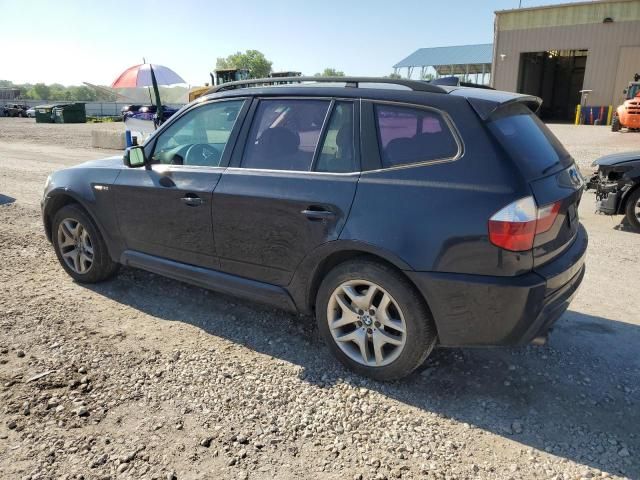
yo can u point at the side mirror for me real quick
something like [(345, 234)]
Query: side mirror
[(134, 157)]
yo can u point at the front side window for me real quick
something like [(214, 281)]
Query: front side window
[(410, 135), (284, 134), (199, 137)]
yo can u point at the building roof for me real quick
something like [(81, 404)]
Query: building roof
[(560, 5), (457, 55)]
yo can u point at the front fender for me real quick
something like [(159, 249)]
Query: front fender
[(92, 191)]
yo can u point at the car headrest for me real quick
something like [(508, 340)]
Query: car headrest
[(279, 141)]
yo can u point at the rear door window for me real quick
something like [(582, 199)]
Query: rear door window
[(284, 134), (411, 135), (528, 141), (337, 154)]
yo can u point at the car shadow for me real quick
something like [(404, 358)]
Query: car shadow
[(576, 397), (5, 200)]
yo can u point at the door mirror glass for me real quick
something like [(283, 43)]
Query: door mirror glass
[(134, 157)]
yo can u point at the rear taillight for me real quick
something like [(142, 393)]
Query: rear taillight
[(516, 225), (547, 216)]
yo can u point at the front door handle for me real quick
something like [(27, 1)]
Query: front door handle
[(312, 214), (192, 200)]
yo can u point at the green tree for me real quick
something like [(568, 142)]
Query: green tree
[(396, 76), (330, 72), (41, 91), (252, 60)]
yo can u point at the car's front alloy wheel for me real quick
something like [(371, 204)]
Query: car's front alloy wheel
[(80, 247), (75, 245)]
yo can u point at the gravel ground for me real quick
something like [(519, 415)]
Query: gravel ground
[(145, 377)]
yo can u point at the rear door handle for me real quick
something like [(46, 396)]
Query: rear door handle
[(318, 214), (192, 200)]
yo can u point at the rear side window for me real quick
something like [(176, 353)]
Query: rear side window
[(410, 135), (528, 141), (284, 134)]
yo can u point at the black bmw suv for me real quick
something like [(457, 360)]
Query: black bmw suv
[(404, 215)]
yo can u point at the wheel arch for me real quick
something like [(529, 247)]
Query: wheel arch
[(309, 275), (622, 207), (58, 200)]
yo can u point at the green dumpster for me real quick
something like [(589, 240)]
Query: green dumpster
[(70, 113), (44, 113)]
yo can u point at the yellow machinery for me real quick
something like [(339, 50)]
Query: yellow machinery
[(218, 78)]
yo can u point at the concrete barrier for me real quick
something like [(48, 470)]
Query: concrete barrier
[(110, 140)]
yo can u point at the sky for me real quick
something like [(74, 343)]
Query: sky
[(75, 41)]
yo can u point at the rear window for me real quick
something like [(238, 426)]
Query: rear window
[(411, 135), (528, 141)]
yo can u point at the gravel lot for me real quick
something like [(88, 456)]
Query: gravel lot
[(145, 377)]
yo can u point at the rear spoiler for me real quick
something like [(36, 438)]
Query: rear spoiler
[(456, 82), (487, 102)]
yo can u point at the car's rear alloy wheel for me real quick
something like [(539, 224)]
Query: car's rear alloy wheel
[(374, 320), (366, 323), (75, 245)]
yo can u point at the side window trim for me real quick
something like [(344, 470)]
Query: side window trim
[(231, 142), (375, 133), (356, 104), (323, 135)]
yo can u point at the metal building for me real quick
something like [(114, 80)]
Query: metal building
[(464, 61), (555, 52)]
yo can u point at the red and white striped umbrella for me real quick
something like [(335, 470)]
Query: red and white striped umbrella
[(140, 76)]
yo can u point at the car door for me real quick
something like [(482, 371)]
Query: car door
[(165, 210), (289, 187)]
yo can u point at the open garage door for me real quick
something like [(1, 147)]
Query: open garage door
[(556, 76)]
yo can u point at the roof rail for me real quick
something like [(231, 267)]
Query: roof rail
[(353, 82)]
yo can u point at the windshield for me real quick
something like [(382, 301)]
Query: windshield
[(633, 90), (528, 141)]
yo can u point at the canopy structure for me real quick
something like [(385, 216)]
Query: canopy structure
[(462, 60)]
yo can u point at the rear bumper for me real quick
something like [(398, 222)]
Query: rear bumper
[(477, 310)]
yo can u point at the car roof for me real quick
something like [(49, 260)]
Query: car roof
[(484, 101)]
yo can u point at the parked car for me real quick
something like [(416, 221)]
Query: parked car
[(15, 110), (404, 218), (129, 109), (616, 182), (31, 112), (144, 118)]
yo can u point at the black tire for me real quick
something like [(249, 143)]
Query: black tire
[(102, 266), (630, 209), (615, 124), (421, 335)]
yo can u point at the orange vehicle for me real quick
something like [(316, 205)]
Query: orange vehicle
[(628, 114)]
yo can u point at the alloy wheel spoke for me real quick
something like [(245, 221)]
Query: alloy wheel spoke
[(83, 261), (348, 317), (385, 338), (367, 298), (67, 229), (65, 241), (360, 339), (378, 343)]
